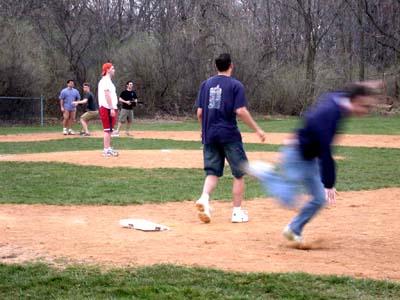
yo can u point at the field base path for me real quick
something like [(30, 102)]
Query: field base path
[(358, 237), (353, 140)]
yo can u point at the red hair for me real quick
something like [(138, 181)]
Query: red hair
[(106, 68)]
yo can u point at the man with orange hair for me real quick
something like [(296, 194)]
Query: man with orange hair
[(108, 101)]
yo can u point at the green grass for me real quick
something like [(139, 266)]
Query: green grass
[(77, 144), (55, 183), (38, 281), (367, 125)]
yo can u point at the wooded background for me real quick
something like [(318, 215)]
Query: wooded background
[(285, 51)]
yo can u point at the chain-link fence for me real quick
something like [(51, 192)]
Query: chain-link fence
[(22, 110)]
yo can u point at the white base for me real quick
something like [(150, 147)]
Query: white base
[(141, 224)]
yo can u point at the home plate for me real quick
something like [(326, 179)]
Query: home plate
[(141, 224)]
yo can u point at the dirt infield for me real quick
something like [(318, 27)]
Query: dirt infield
[(362, 241), (146, 159), (387, 141)]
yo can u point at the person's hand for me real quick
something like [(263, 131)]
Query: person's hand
[(112, 113), (261, 134), (330, 195), (62, 109), (75, 103), (129, 102)]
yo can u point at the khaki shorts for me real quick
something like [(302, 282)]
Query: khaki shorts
[(90, 115), (126, 115)]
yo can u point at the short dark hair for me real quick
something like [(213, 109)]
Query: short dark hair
[(129, 81), (223, 62), (356, 89), (86, 84), (69, 80)]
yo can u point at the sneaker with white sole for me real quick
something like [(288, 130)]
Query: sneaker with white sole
[(71, 132), (203, 206), (110, 152), (65, 131), (115, 134), (239, 216), (291, 236), (257, 168)]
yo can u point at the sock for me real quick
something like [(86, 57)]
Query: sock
[(237, 209), (205, 197)]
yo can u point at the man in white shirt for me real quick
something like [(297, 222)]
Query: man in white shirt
[(108, 101)]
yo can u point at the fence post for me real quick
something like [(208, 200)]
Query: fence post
[(41, 111)]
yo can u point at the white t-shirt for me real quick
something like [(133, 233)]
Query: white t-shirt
[(105, 84)]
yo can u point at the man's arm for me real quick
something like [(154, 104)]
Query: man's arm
[(199, 114), (328, 171), (62, 104), (83, 101), (109, 101), (246, 117), (124, 101)]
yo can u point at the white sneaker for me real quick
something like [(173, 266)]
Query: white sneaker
[(240, 216), (203, 206), (115, 134), (65, 131), (291, 236), (257, 168), (71, 132), (110, 152)]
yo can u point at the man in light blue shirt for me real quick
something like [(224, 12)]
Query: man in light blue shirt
[(68, 102)]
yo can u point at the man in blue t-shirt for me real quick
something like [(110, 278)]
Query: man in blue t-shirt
[(68, 98), (221, 98)]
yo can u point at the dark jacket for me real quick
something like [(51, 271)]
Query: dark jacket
[(320, 126)]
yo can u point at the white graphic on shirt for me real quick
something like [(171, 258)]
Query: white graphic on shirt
[(215, 97)]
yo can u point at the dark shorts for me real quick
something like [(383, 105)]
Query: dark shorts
[(215, 154)]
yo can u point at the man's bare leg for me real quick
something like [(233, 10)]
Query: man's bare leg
[(65, 118), (107, 139), (84, 126), (203, 205), (128, 127), (238, 188)]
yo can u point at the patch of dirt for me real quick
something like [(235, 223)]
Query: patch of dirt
[(358, 237), (385, 141), (146, 159)]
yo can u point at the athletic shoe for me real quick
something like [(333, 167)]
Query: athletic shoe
[(84, 133), (113, 152), (240, 216), (110, 153), (71, 132), (291, 236), (257, 168), (65, 131), (203, 206), (115, 134)]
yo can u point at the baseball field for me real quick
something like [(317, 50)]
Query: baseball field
[(60, 203)]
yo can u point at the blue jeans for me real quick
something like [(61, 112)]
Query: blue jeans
[(295, 175)]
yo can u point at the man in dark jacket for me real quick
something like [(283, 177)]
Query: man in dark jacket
[(307, 158)]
